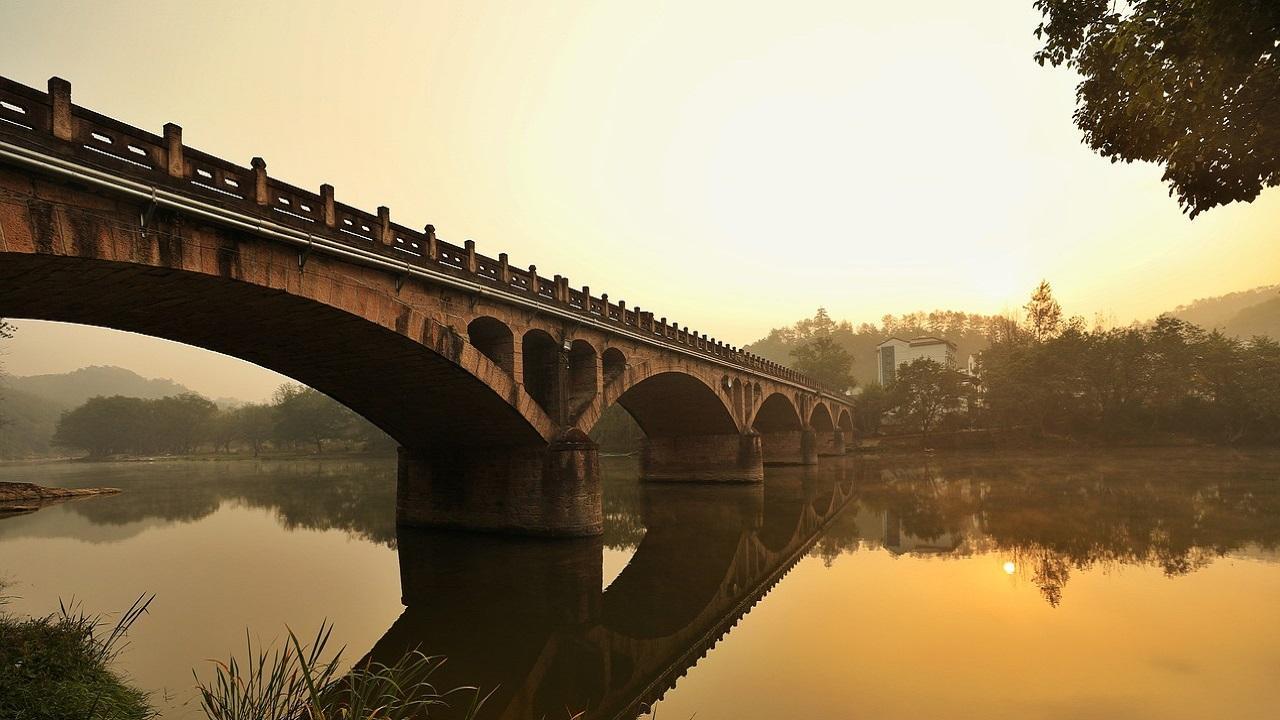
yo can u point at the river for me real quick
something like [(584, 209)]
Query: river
[(1119, 584)]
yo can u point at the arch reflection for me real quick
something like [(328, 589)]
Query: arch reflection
[(528, 619)]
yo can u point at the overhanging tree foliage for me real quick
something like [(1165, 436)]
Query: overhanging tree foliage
[(1192, 85)]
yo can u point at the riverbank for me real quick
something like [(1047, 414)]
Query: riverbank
[(23, 497), (206, 457), (59, 666)]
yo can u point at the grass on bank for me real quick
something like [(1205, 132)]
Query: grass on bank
[(59, 666), (295, 683)]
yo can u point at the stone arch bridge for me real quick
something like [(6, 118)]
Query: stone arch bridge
[(487, 375)]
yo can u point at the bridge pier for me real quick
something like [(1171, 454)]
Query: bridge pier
[(831, 443), (790, 447), (703, 458), (551, 491)]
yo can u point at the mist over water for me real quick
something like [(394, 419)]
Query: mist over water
[(1136, 583)]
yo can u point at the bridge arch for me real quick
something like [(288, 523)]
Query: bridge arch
[(663, 398), (846, 420), (540, 369), (615, 362), (777, 413), (495, 341), (671, 403), (584, 367), (820, 418), (319, 330)]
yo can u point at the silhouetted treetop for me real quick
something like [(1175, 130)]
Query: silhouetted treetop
[(1193, 85)]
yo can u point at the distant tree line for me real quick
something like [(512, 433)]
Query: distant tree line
[(841, 352), (296, 418), (1058, 376)]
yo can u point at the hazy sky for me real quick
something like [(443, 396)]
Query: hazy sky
[(727, 166)]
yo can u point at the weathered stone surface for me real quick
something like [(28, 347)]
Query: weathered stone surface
[(790, 447), (703, 458)]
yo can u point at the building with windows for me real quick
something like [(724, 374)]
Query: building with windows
[(895, 351)]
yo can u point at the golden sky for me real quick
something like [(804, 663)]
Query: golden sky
[(727, 166)]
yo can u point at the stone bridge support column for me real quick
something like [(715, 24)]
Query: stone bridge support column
[(790, 447), (551, 491), (703, 458), (831, 443)]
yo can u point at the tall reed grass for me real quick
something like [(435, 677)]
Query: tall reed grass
[(295, 682)]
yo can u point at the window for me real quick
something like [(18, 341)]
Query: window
[(887, 365)]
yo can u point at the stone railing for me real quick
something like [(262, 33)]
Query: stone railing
[(51, 123)]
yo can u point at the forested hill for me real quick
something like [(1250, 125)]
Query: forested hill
[(30, 406), (1241, 314), (71, 389), (967, 330)]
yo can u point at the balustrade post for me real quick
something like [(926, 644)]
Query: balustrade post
[(586, 299), (173, 150), (472, 264), (384, 226), (433, 245), (60, 99), (533, 280), (259, 180), (327, 208), (504, 270)]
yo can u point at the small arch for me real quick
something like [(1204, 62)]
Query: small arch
[(845, 422), (583, 366), (614, 363), (820, 419), (495, 341), (541, 375), (777, 413)]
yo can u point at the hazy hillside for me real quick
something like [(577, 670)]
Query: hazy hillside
[(26, 423), (72, 389), (1243, 314), (30, 406)]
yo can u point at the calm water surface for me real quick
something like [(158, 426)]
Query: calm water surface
[(1128, 584)]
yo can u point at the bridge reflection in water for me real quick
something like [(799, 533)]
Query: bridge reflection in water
[(527, 618)]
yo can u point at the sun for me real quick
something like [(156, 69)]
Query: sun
[(1010, 567)]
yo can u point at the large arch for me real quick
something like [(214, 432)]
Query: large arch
[(845, 423), (405, 373), (676, 404), (820, 419), (777, 414), (654, 392)]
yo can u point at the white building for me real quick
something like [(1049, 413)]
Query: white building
[(895, 351)]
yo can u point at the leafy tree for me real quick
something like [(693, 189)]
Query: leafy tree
[(825, 361), (307, 415), (925, 391), (1044, 314), (869, 407), (1193, 85), (181, 422), (104, 426), (255, 424)]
